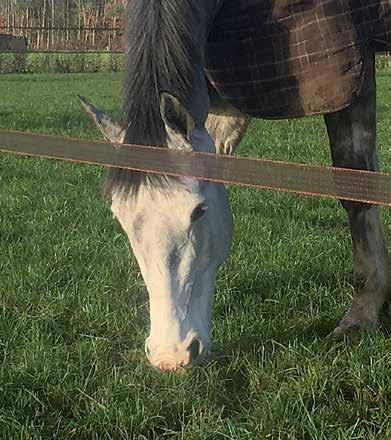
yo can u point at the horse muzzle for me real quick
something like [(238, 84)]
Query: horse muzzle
[(170, 358)]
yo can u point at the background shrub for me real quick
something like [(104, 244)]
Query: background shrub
[(61, 62), (87, 62)]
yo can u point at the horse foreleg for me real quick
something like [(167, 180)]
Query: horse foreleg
[(352, 135), (227, 126)]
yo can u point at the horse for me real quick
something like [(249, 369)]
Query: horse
[(180, 82)]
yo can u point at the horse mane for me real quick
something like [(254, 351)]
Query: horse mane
[(160, 56)]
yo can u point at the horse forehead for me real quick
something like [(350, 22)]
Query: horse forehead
[(164, 210), (180, 194)]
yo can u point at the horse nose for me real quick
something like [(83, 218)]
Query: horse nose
[(175, 358)]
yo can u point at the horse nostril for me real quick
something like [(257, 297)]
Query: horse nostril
[(194, 349)]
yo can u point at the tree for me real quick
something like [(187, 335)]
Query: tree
[(50, 15)]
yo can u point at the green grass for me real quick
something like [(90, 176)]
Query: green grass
[(74, 311)]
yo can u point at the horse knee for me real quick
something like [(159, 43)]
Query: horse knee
[(227, 127)]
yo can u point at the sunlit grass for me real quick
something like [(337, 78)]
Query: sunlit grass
[(74, 311)]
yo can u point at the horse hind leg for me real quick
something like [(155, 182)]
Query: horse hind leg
[(227, 126), (352, 135)]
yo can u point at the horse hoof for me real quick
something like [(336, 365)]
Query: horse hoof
[(356, 320), (344, 331), (352, 329)]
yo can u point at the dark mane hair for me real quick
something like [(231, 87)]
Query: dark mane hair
[(160, 56)]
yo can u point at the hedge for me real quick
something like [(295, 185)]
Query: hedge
[(61, 62)]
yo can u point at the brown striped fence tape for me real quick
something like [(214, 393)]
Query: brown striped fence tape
[(313, 180)]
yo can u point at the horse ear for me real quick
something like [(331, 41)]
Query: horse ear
[(178, 121), (111, 129)]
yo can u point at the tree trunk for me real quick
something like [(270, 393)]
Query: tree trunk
[(53, 23)]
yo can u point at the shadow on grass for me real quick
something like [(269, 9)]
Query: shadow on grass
[(287, 290), (320, 328)]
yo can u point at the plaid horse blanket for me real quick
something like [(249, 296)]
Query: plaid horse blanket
[(290, 58)]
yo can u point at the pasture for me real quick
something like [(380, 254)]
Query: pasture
[(74, 310)]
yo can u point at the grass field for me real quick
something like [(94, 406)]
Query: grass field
[(74, 311)]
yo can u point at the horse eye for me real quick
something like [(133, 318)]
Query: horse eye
[(198, 212)]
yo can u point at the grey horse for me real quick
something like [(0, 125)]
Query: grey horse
[(233, 60)]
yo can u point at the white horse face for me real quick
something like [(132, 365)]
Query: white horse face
[(179, 236), (179, 240)]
